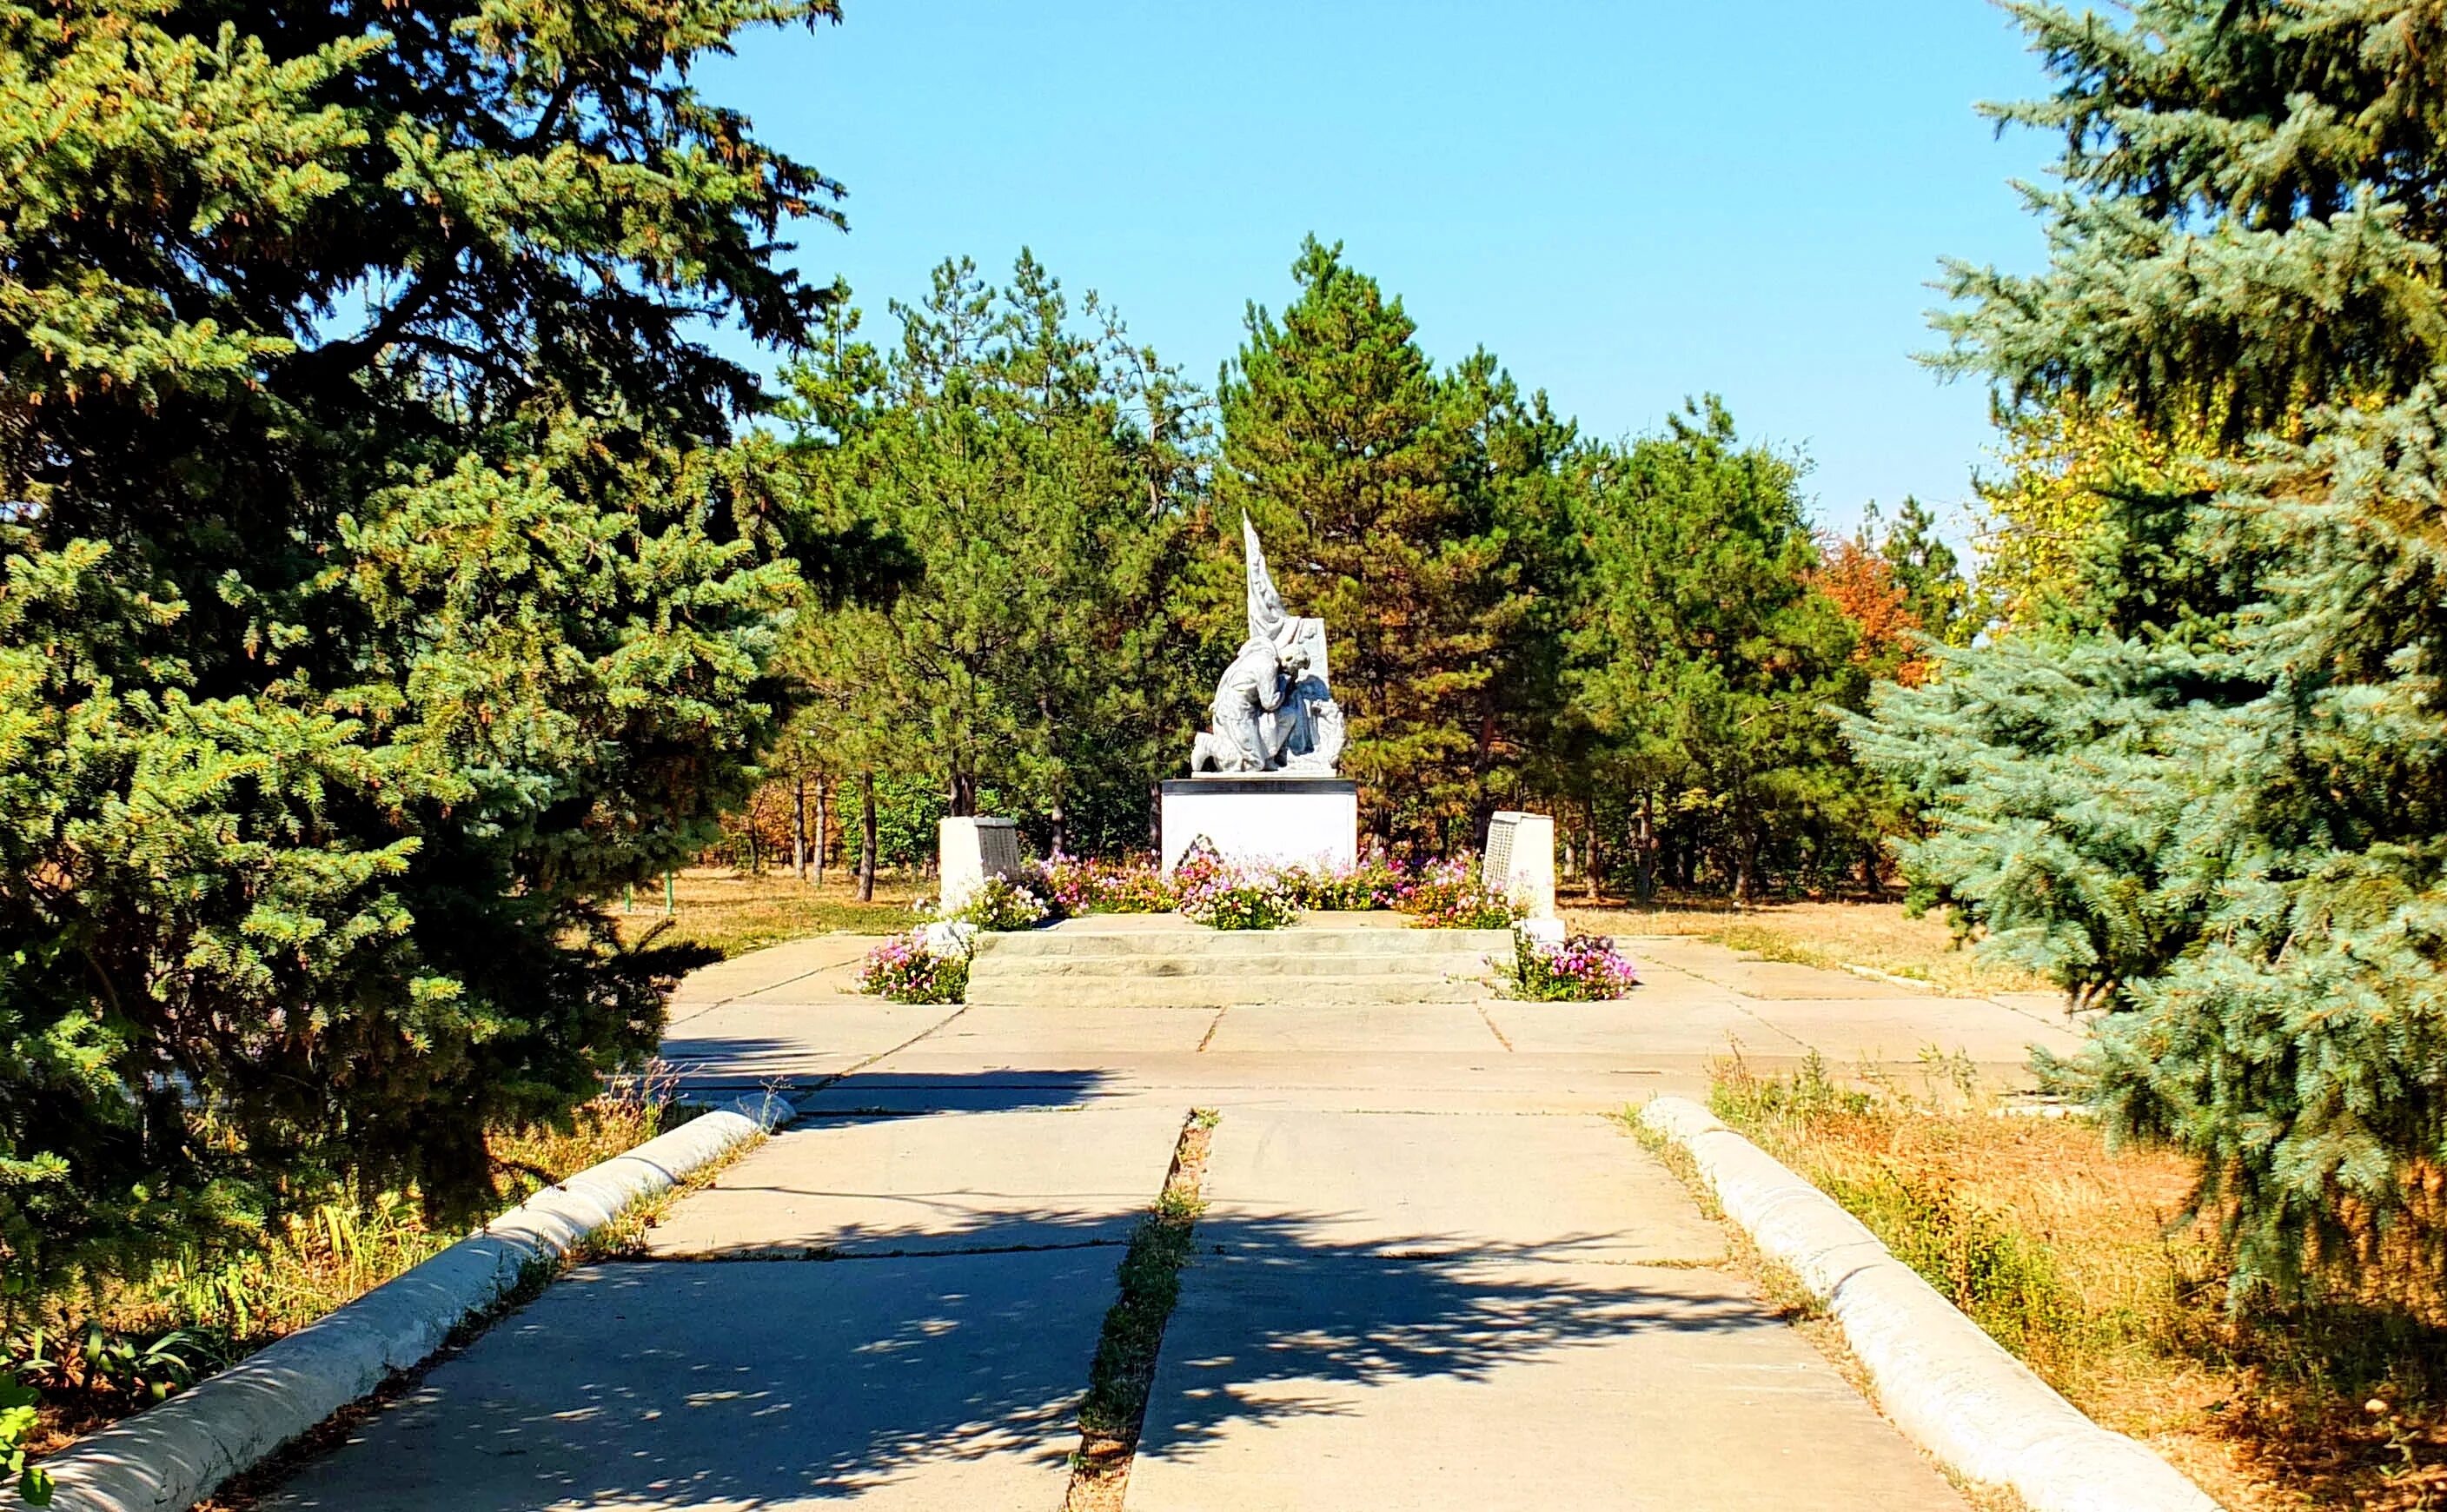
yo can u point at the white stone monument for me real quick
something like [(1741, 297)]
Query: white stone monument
[(1520, 863), (1262, 788), (972, 850)]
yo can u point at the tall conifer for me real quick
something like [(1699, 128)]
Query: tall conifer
[(380, 585), (1337, 442), (2210, 786)]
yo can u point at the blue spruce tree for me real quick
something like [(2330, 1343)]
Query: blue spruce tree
[(2204, 789)]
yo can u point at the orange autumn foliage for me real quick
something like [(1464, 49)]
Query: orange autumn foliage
[(1861, 584)]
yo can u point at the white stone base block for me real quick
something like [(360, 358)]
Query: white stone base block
[(1520, 859), (972, 850), (1265, 820)]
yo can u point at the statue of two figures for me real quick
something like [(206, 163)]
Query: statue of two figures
[(1273, 710)]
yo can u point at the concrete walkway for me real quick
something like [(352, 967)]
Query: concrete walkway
[(1434, 1271)]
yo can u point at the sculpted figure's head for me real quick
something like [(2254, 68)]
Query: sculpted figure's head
[(1295, 664)]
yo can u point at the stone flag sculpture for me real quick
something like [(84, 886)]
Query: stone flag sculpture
[(1273, 710)]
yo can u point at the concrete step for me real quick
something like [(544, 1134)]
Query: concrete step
[(1018, 989), (1168, 962), (1428, 966), (1070, 940)]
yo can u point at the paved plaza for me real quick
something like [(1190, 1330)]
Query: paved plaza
[(1433, 1271)]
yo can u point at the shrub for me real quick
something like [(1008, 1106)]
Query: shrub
[(907, 970), (16, 1427), (1583, 969)]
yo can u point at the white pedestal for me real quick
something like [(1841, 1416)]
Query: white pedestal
[(1520, 859), (1265, 820), (972, 850)]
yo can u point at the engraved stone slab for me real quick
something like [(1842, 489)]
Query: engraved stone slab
[(1520, 861)]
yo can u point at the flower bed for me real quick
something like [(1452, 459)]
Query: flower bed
[(1583, 969), (1449, 895), (1004, 905), (1440, 895), (1223, 897), (1110, 887), (907, 969)]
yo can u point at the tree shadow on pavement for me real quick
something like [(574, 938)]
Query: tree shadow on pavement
[(948, 1379)]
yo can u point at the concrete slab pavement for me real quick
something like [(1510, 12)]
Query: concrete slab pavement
[(752, 1042), (931, 1184), (1429, 1277), (1897, 1029), (1559, 1188), (1001, 1035), (831, 956), (1441, 1311), (1348, 1028), (1298, 1381), (1639, 1027), (949, 1381)]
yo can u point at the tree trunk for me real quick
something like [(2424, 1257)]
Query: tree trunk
[(1061, 831), (1647, 858), (866, 838), (823, 830), (799, 825), (1589, 849)]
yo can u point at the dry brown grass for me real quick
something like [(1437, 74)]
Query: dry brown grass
[(2073, 1257), (732, 912), (1878, 935)]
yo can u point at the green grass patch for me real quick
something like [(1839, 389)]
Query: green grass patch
[(1114, 1410)]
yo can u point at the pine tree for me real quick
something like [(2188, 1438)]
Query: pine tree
[(1522, 470), (1704, 657), (2205, 788), (381, 583), (1340, 445), (1037, 477)]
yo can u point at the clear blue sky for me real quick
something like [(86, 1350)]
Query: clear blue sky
[(1626, 202)]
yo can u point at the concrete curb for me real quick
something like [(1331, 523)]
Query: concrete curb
[(172, 1456), (1872, 974), (1948, 1386)]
